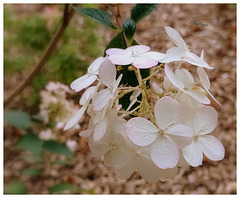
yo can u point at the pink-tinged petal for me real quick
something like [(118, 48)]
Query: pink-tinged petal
[(138, 49), (173, 78), (176, 38), (185, 76), (75, 118), (121, 60), (200, 97), (101, 99), (166, 111), (148, 170), (211, 147), (144, 62), (174, 54), (116, 51), (180, 134), (100, 129), (164, 153), (205, 120), (93, 68), (83, 82), (87, 95), (193, 154), (141, 131), (195, 60), (155, 55), (203, 78), (107, 73), (86, 133)]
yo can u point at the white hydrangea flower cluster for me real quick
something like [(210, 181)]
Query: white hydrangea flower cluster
[(160, 130)]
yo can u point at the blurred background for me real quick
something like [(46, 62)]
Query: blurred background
[(41, 158)]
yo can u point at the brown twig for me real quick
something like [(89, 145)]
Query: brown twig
[(118, 18), (67, 16)]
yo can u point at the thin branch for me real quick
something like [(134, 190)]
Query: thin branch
[(67, 16), (118, 18)]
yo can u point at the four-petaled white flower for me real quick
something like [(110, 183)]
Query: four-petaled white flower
[(204, 122), (180, 52), (178, 132), (138, 55), (166, 138), (183, 80), (89, 78)]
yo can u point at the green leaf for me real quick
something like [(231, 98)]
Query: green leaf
[(15, 188), (141, 10), (56, 147), (62, 187), (32, 172), (98, 15), (30, 142), (18, 119), (129, 28)]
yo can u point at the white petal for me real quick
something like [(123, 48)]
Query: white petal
[(203, 78), (93, 68), (182, 135), (205, 120), (200, 97), (211, 147), (175, 54), (98, 148), (164, 153), (148, 170), (141, 131), (166, 111), (144, 62), (202, 54), (87, 95), (83, 82), (121, 158), (86, 133), (138, 49), (213, 97), (101, 99), (193, 154), (116, 51), (119, 56), (185, 76), (75, 118), (127, 171), (116, 83), (173, 78), (195, 60), (155, 55), (167, 83), (100, 129), (176, 37), (107, 73), (133, 98)]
